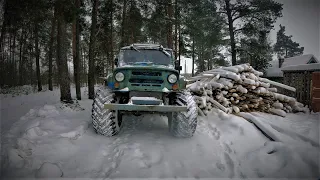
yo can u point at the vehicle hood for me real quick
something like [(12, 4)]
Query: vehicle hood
[(151, 68)]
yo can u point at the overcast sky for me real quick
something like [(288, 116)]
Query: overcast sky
[(302, 20)]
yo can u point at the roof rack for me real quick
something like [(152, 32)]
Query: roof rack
[(145, 46)]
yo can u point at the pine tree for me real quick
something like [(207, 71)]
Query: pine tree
[(50, 51), (75, 49), (156, 24), (285, 46), (169, 24), (64, 81), (204, 26), (91, 73), (256, 50), (251, 13)]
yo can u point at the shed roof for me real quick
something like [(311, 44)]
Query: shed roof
[(298, 60), (303, 67)]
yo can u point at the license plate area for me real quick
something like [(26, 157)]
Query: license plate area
[(146, 101)]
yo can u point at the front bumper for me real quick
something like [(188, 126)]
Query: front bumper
[(148, 108)]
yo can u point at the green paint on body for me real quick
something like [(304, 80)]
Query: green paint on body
[(146, 78), (146, 68)]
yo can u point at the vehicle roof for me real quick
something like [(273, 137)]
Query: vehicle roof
[(145, 46)]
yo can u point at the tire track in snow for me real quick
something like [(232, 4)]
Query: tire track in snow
[(153, 152), (227, 163), (214, 131), (229, 158), (230, 164), (113, 154)]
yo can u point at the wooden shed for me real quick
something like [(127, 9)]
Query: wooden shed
[(306, 79), (274, 71)]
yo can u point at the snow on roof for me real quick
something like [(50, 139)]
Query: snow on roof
[(145, 46), (290, 64), (297, 60), (302, 67), (274, 70)]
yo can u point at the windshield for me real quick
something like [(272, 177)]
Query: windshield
[(152, 56)]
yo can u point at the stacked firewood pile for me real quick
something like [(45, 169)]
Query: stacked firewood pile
[(240, 89)]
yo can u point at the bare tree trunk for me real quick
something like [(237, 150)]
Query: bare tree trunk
[(64, 80), (31, 64), (84, 65), (21, 58), (2, 69), (169, 25), (50, 55), (2, 64), (14, 59), (81, 64), (8, 79), (36, 35), (286, 53), (4, 24), (123, 25), (231, 32), (75, 51), (193, 56), (176, 29), (111, 36), (180, 44), (91, 73)]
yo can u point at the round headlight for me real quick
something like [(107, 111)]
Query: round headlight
[(172, 78), (119, 76)]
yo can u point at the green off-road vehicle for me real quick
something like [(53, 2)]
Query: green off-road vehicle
[(146, 80)]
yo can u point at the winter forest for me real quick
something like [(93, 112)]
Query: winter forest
[(87, 92), (62, 42)]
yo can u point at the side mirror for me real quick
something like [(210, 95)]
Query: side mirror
[(177, 66), (116, 61)]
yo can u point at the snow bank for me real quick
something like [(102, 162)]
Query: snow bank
[(48, 170), (286, 157), (22, 90), (281, 129), (279, 160), (39, 128), (19, 90), (58, 141), (15, 158), (49, 142)]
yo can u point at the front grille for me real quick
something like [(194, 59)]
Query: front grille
[(146, 81), (153, 85), (138, 73)]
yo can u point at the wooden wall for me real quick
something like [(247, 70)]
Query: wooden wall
[(315, 94), (302, 81)]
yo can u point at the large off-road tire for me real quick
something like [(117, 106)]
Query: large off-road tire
[(183, 124), (105, 122)]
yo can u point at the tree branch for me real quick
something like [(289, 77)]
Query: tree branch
[(222, 12), (234, 12), (237, 30)]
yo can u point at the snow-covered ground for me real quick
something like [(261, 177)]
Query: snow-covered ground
[(40, 137), (16, 104)]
